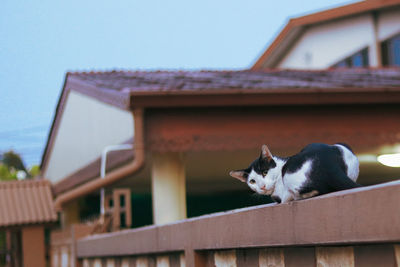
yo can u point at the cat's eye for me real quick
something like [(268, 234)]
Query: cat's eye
[(264, 173), (252, 181)]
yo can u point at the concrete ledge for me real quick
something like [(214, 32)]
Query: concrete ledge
[(358, 216)]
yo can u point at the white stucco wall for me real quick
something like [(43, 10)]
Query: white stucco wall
[(86, 127), (388, 24), (323, 45)]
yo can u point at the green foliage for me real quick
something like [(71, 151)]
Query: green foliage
[(12, 168), (13, 160), (34, 171), (6, 174)]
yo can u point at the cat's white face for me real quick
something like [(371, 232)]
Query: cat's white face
[(260, 176), (260, 183)]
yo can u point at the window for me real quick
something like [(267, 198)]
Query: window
[(391, 51), (359, 59)]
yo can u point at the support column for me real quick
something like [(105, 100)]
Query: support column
[(168, 188), (376, 51), (33, 247)]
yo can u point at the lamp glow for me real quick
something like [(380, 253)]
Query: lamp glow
[(391, 160)]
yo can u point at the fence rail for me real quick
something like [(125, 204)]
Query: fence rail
[(342, 226), (63, 244)]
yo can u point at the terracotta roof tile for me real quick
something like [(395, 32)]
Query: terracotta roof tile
[(167, 82), (26, 202)]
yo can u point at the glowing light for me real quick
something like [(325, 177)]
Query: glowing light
[(391, 160)]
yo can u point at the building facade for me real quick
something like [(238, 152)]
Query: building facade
[(364, 34)]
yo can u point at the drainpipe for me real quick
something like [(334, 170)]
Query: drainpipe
[(103, 168), (115, 175)]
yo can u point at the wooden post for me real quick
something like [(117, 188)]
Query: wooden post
[(8, 248), (168, 188), (33, 247)]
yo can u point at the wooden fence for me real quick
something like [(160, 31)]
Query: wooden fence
[(358, 227), (63, 245)]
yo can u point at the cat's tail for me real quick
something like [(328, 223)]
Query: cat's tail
[(340, 181)]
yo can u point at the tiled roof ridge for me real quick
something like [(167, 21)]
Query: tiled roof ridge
[(24, 183), (265, 70), (88, 72)]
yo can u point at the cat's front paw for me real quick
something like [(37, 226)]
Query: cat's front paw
[(287, 199)]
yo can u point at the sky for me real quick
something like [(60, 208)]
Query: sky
[(41, 40)]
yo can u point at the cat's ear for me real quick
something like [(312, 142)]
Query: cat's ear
[(265, 153), (240, 175)]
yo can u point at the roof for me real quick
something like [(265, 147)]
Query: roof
[(26, 202), (161, 89), (295, 26), (127, 89), (127, 83)]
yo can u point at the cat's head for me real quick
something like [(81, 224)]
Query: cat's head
[(256, 175)]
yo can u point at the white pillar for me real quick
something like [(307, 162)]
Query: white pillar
[(168, 187), (375, 53)]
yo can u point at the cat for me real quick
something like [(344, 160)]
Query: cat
[(317, 169)]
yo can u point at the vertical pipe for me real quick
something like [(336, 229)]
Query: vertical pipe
[(103, 169), (115, 175)]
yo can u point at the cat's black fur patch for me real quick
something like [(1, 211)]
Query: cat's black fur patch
[(328, 173), (260, 165)]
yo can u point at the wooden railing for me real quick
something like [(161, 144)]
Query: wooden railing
[(348, 228)]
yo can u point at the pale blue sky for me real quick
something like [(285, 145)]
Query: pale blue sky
[(41, 40)]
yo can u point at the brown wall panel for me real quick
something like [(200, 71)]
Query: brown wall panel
[(374, 255), (247, 257), (33, 246), (175, 260), (201, 259), (300, 257), (214, 129), (131, 262)]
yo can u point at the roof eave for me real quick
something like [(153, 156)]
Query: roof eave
[(54, 126), (108, 96), (302, 96)]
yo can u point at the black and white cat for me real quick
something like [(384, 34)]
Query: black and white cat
[(317, 169)]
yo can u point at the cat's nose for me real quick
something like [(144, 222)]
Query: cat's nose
[(263, 187)]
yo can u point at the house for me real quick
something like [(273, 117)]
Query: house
[(363, 34), (188, 129), (155, 148), (185, 121), (26, 210)]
